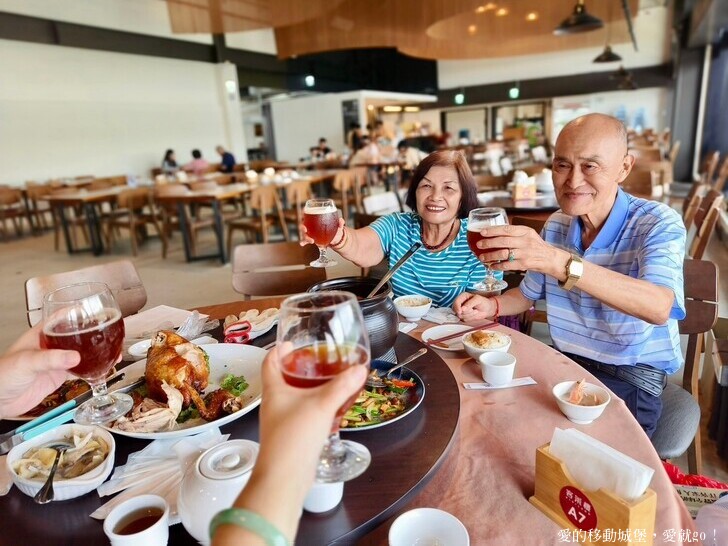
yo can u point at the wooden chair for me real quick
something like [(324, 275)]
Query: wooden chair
[(533, 170), (266, 206), (708, 167), (268, 269), (691, 211), (135, 211), (168, 212), (645, 153), (710, 200), (347, 191), (121, 277), (678, 429), (486, 182), (12, 207), (229, 208), (102, 184), (514, 278), (705, 232), (40, 208), (75, 218), (696, 189), (297, 193), (641, 183), (674, 150), (719, 183)]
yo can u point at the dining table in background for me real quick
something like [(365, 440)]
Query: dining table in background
[(538, 208), (468, 452)]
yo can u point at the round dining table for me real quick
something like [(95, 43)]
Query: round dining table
[(469, 452)]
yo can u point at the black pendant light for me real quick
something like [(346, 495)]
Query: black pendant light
[(578, 21), (607, 56)]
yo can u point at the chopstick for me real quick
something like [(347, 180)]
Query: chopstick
[(463, 332)]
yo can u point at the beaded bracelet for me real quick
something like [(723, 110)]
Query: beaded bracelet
[(341, 241), (250, 521)]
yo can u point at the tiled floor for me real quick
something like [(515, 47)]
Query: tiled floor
[(177, 283)]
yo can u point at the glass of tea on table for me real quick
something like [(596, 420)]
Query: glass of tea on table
[(321, 220), (478, 220), (320, 335), (86, 318)]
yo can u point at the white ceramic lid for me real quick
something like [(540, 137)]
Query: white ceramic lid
[(229, 460)]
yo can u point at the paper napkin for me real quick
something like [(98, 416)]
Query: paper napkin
[(518, 382), (407, 327), (137, 325), (157, 469), (441, 315), (595, 465)]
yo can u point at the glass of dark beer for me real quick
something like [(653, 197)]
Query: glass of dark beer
[(321, 334), (321, 220), (86, 318), (479, 219)]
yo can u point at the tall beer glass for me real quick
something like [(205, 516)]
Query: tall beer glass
[(86, 318), (321, 220), (321, 334), (479, 219)]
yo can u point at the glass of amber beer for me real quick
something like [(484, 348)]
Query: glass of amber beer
[(321, 220), (478, 220), (86, 318), (321, 334)]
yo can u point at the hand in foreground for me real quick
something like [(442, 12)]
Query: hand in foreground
[(29, 373), (297, 420), (304, 239), (473, 307), (517, 248)]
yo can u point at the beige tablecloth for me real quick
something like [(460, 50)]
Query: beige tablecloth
[(489, 473)]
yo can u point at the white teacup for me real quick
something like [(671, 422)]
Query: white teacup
[(497, 367), (428, 527), (155, 535), (323, 497)]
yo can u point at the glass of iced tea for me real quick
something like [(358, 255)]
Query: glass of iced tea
[(479, 219), (321, 220), (86, 318), (320, 335)]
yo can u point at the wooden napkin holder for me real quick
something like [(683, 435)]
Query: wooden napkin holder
[(596, 517), (524, 191)]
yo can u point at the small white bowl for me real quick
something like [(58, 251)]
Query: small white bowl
[(581, 415), (413, 307), (64, 489), (475, 351), (428, 526)]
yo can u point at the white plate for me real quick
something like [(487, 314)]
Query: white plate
[(445, 330), (140, 348), (225, 358)]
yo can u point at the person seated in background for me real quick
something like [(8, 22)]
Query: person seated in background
[(322, 150), (227, 163), (367, 153), (609, 265), (409, 157), (441, 194), (288, 455), (169, 163), (353, 137), (28, 373), (198, 166)]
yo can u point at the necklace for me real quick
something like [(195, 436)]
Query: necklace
[(435, 247)]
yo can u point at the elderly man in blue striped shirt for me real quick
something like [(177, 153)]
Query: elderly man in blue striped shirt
[(608, 264)]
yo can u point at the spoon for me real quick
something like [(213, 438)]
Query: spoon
[(388, 275), (377, 382), (45, 495)]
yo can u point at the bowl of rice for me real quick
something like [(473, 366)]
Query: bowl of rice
[(482, 341)]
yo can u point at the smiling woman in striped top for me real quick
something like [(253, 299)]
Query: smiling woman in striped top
[(441, 194)]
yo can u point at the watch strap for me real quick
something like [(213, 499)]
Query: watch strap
[(574, 271)]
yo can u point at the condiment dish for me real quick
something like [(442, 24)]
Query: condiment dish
[(581, 415)]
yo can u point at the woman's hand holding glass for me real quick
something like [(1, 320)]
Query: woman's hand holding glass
[(320, 225), (479, 220)]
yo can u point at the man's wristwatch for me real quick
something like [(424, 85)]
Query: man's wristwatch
[(574, 271)]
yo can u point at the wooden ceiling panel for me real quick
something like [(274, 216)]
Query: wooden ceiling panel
[(435, 29)]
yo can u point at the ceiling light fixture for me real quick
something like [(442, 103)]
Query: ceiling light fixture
[(460, 98), (501, 12), (486, 7), (370, 107), (532, 16), (309, 80), (607, 56), (392, 108), (472, 29), (515, 91), (411, 108), (578, 21)]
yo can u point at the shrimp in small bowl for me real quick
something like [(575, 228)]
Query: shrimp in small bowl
[(580, 401)]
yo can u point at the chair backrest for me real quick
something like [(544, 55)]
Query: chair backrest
[(674, 150), (101, 184), (705, 232), (700, 279), (640, 182), (297, 193), (719, 183), (10, 197), (121, 277), (645, 153), (134, 199), (345, 180), (490, 182), (533, 170), (264, 199), (362, 220), (710, 163), (382, 203), (536, 224), (711, 200), (696, 189), (691, 210), (274, 269)]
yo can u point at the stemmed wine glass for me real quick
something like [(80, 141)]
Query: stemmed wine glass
[(321, 334), (86, 318), (322, 221), (479, 219)]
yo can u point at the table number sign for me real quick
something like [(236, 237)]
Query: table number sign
[(598, 517)]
